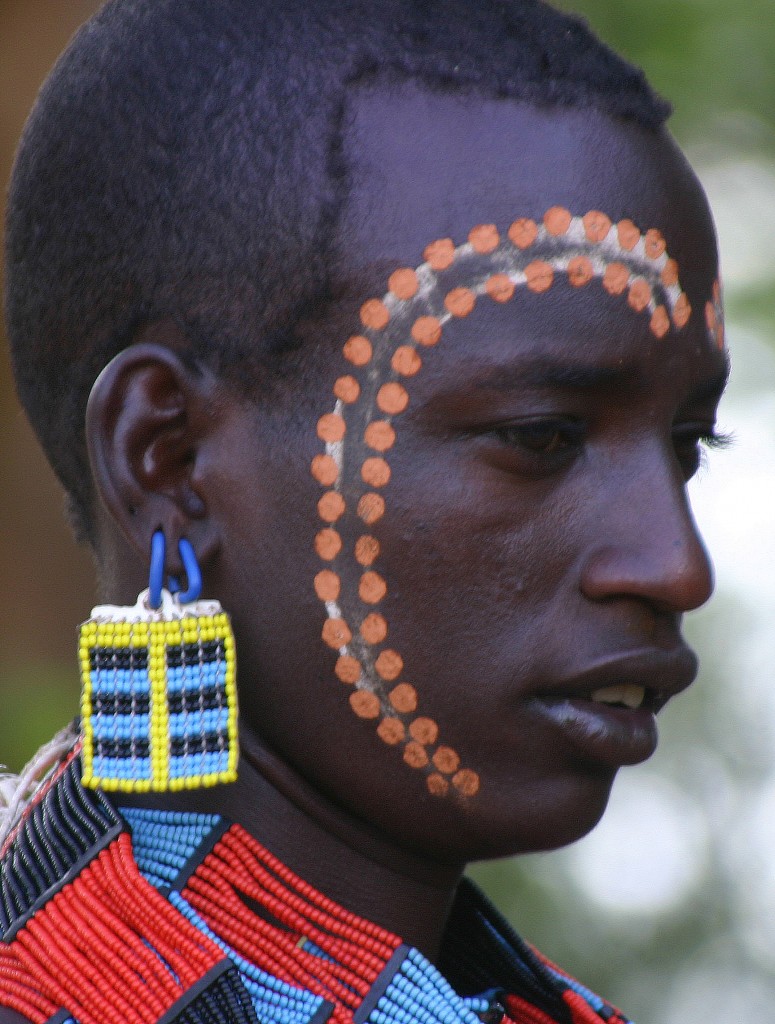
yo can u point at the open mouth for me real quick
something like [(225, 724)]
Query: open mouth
[(624, 695)]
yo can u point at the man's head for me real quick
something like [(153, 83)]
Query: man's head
[(186, 160), (428, 659)]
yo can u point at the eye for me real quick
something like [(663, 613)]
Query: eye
[(690, 439), (551, 439)]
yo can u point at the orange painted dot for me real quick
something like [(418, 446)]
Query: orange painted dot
[(375, 314), (389, 665), (375, 472), (372, 588), (366, 550), (640, 294), (328, 544), (348, 669), (439, 255), (628, 233), (720, 336), (466, 782), (365, 704), (348, 389), (681, 311), (325, 470), (710, 316), (596, 225), (403, 283), (580, 271), (500, 287), (670, 273), (557, 220), (523, 232), (539, 276), (374, 629), (357, 350), (424, 730), (426, 330), (327, 585), (331, 506), (437, 785), (460, 301), (379, 435), (660, 322), (654, 243), (406, 361), (392, 398), (404, 698), (415, 755), (615, 278), (336, 633), (446, 760), (371, 507), (484, 238), (717, 291), (391, 730), (331, 427)]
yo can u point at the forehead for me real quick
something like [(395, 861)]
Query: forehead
[(427, 165)]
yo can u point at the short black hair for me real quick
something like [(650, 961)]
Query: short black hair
[(184, 160)]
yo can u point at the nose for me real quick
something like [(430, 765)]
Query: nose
[(644, 542)]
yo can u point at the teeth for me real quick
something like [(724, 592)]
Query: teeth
[(629, 694)]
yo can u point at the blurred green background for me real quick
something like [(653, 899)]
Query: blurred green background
[(669, 906)]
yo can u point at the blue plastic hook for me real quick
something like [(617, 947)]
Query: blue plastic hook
[(156, 574)]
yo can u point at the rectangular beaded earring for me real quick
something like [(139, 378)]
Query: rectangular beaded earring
[(159, 697)]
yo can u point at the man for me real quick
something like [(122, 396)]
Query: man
[(403, 323)]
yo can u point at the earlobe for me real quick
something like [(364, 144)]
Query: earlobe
[(147, 416)]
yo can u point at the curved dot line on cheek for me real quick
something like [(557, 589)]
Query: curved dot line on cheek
[(372, 391)]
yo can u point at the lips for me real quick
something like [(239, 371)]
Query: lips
[(606, 713)]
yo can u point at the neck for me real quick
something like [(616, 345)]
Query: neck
[(346, 859)]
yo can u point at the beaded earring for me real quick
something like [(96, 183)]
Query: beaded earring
[(159, 697)]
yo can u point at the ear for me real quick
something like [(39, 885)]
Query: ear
[(148, 417)]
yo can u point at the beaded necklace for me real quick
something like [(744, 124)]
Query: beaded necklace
[(142, 916)]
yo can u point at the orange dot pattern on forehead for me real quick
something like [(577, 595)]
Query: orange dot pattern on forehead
[(375, 314), (324, 470), (403, 283), (358, 350), (365, 704), (640, 294), (630, 263), (336, 633), (714, 316), (440, 255), (392, 398), (372, 588), (660, 322), (523, 233), (426, 330), (391, 730), (366, 550), (484, 238), (460, 302), (331, 506), (348, 389), (406, 361), (389, 665), (500, 287), (404, 699), (348, 669), (615, 278), (331, 427), (580, 271), (596, 225), (328, 544), (371, 508), (374, 629), (375, 472), (682, 311), (557, 220), (327, 585), (380, 436), (539, 275)]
